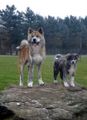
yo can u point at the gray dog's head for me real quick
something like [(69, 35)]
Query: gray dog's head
[(72, 58)]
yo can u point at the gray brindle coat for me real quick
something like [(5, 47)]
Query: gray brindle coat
[(65, 65)]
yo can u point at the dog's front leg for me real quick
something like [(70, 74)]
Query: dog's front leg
[(40, 81), (72, 81), (21, 75), (30, 75), (63, 76)]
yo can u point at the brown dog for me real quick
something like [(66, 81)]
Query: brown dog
[(37, 49), (24, 58), (32, 52)]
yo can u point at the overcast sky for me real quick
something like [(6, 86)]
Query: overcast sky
[(60, 8)]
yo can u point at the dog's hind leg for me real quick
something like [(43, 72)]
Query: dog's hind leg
[(40, 81), (63, 77), (72, 81), (21, 74), (56, 71)]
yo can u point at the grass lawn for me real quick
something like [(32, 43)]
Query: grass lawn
[(9, 73)]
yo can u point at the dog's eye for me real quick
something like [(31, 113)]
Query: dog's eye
[(32, 36), (37, 36)]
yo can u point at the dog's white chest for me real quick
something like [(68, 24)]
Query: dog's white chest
[(72, 69), (36, 49), (37, 58)]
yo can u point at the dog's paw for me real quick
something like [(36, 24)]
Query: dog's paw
[(72, 84), (30, 84), (55, 81), (66, 84), (41, 82), (21, 84)]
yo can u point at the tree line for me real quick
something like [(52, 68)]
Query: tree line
[(62, 35)]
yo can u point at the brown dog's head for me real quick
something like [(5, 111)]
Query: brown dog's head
[(36, 37)]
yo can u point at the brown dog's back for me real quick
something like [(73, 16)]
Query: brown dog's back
[(23, 52)]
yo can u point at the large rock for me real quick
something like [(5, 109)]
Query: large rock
[(49, 102)]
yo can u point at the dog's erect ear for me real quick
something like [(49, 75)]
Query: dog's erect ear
[(30, 30), (40, 30), (77, 56)]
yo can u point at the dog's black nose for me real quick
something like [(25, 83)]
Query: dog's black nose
[(34, 40), (73, 62)]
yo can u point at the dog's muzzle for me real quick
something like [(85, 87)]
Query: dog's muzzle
[(35, 41), (73, 62)]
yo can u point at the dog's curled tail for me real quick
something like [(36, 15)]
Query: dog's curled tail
[(24, 43), (23, 53)]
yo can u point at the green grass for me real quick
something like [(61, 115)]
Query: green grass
[(81, 74), (8, 71), (9, 74)]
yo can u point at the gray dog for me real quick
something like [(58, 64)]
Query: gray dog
[(65, 65), (31, 52)]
